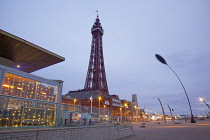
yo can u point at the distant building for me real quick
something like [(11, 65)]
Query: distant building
[(83, 98), (134, 99)]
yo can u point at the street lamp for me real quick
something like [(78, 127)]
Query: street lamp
[(125, 110), (136, 111), (104, 110), (162, 60), (99, 99), (91, 104), (174, 113), (75, 101), (121, 114), (202, 100)]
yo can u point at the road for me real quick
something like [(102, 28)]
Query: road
[(170, 131)]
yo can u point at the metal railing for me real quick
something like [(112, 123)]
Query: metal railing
[(20, 112), (104, 113)]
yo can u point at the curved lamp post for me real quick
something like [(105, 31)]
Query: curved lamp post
[(202, 100), (170, 113), (164, 116), (162, 60)]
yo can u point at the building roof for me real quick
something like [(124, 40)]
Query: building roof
[(85, 94), (28, 56)]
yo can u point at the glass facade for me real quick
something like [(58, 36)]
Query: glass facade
[(25, 101), (28, 101), (17, 86), (20, 112)]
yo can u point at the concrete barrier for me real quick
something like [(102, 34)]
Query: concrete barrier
[(100, 132)]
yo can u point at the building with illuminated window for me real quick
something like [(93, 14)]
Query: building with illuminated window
[(27, 99), (120, 110)]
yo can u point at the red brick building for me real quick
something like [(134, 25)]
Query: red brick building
[(99, 99)]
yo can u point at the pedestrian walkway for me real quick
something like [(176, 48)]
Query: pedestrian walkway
[(170, 131)]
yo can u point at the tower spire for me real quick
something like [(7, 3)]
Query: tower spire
[(97, 13), (96, 76)]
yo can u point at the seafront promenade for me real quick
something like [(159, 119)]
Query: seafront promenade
[(170, 131)]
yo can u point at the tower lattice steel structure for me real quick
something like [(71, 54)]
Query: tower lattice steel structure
[(96, 76)]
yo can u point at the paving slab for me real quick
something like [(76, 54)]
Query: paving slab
[(170, 131)]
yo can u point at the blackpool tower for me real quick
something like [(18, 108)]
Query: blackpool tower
[(96, 75)]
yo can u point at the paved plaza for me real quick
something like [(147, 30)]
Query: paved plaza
[(170, 131)]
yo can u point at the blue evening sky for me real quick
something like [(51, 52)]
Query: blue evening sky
[(134, 31)]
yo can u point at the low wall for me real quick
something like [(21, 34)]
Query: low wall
[(100, 132)]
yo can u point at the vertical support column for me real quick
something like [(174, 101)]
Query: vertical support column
[(21, 117), (58, 103), (2, 76), (58, 115), (58, 91)]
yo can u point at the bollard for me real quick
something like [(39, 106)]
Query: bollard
[(143, 125)]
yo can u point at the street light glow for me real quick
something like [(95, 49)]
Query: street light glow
[(201, 99), (75, 101)]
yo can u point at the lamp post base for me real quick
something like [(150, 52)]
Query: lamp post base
[(193, 120)]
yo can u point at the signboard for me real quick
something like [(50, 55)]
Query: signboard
[(106, 103), (76, 116)]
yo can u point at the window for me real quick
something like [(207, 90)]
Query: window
[(23, 87)]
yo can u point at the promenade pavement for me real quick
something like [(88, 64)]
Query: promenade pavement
[(170, 131)]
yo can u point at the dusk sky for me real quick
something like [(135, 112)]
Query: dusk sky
[(134, 31)]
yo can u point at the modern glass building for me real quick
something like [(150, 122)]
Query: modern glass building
[(27, 99)]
